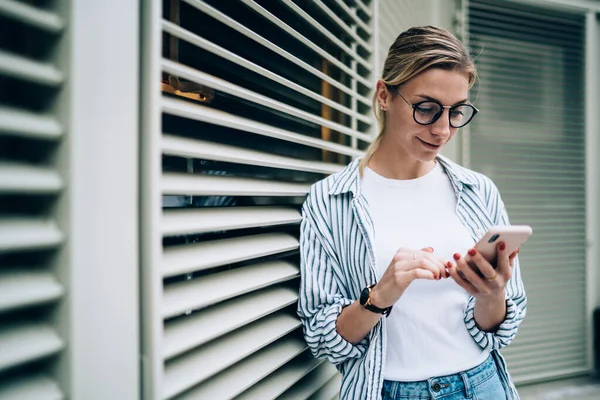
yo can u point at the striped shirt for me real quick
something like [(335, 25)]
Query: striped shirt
[(338, 261)]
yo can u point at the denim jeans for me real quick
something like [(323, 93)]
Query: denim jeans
[(479, 383)]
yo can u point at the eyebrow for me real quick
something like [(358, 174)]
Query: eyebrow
[(434, 99)]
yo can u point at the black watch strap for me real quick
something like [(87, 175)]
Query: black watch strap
[(365, 301)]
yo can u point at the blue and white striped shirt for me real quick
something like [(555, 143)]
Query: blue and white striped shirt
[(338, 261)]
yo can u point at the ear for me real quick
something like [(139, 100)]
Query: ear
[(383, 96)]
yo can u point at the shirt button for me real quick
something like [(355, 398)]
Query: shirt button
[(436, 387)]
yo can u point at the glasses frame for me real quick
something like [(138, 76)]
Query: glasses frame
[(442, 107)]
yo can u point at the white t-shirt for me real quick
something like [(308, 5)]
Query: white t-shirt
[(426, 332)]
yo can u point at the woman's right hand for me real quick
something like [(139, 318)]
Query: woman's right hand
[(406, 266)]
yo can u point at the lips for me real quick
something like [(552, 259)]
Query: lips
[(429, 145)]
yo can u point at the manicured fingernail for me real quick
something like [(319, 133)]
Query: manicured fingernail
[(502, 246), (449, 264), (456, 256), (472, 252)]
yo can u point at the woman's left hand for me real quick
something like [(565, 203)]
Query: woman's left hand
[(491, 282)]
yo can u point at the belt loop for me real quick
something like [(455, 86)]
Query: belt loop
[(468, 391)]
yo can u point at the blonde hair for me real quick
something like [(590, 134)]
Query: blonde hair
[(413, 52)]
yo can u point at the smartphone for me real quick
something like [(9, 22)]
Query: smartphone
[(513, 236)]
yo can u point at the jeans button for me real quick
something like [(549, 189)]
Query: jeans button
[(436, 387)]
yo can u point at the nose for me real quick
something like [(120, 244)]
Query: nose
[(442, 127)]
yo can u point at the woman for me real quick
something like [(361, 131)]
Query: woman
[(378, 297)]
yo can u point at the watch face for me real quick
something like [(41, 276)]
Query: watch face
[(364, 296)]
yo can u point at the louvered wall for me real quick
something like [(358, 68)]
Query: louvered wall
[(32, 75), (530, 139), (259, 100)]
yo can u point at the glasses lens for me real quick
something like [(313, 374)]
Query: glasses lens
[(461, 115), (427, 112)]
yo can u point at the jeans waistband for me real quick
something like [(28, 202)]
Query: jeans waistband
[(444, 385)]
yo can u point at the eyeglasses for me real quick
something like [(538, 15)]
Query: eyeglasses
[(428, 111)]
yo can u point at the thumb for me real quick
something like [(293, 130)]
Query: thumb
[(428, 249)]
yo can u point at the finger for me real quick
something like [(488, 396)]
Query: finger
[(485, 268), (438, 261), (425, 264), (503, 267), (453, 271), (512, 257), (428, 249)]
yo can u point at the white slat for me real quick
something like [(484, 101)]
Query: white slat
[(196, 366), (216, 83), (196, 40), (194, 294), (25, 342), (201, 149), (316, 25), (18, 234), (37, 387), (17, 122), (46, 20), (201, 220), (28, 179), (24, 288), (185, 333), (248, 372), (278, 382), (29, 70), (330, 390), (363, 7), (308, 385), (354, 17), (219, 16), (196, 112), (187, 258), (210, 185), (342, 25)]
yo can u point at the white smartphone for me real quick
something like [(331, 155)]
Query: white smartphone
[(514, 236)]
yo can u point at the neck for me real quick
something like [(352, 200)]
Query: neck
[(394, 165)]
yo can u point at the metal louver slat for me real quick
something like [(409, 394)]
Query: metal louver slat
[(23, 288), (199, 256), (29, 70), (33, 388), (250, 371), (330, 390), (26, 342), (30, 15), (264, 42), (531, 90), (187, 184), (352, 15), (205, 114), (309, 384), (186, 333), (16, 122), (193, 148), (17, 234), (194, 367), (207, 45), (179, 222), (314, 23), (277, 383), (308, 43), (195, 294), (344, 26), (24, 178), (365, 9), (219, 84)]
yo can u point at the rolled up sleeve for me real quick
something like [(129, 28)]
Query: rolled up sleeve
[(516, 298), (320, 301)]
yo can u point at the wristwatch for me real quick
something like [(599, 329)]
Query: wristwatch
[(365, 301)]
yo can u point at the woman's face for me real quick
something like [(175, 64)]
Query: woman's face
[(421, 142)]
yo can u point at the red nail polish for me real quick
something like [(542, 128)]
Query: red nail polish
[(472, 252), (449, 264), (456, 256), (502, 246)]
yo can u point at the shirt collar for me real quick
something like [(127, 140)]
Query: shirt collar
[(348, 180)]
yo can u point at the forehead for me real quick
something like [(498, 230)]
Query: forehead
[(445, 86)]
